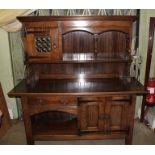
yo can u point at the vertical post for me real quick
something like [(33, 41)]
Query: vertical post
[(27, 120), (128, 139), (137, 29)]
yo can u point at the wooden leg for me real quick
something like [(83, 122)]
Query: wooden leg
[(0, 116), (143, 109), (27, 121), (128, 139)]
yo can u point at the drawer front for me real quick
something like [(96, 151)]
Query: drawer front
[(55, 100), (121, 98)]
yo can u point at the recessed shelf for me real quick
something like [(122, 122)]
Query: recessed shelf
[(48, 127), (84, 58), (86, 76), (94, 56)]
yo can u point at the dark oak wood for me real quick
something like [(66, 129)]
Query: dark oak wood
[(78, 83), (27, 120), (128, 139), (74, 18), (73, 87)]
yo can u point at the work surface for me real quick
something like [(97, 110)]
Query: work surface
[(78, 87)]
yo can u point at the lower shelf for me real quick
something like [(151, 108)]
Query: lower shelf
[(54, 123), (67, 130), (47, 127)]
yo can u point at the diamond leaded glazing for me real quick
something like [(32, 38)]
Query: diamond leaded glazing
[(43, 44)]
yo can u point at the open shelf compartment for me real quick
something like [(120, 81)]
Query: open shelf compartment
[(54, 124)]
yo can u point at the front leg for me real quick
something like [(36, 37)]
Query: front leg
[(27, 120)]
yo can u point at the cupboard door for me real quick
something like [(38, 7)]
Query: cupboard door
[(105, 114), (119, 113), (89, 116), (92, 116), (42, 43)]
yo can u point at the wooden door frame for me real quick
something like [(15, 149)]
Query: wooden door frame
[(148, 62)]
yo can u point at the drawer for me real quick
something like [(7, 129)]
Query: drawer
[(88, 99), (59, 100), (121, 98)]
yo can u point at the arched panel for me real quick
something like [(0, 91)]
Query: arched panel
[(113, 43), (54, 123), (78, 42), (56, 116)]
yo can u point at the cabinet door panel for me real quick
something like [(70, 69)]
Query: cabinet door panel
[(92, 115), (107, 114), (119, 115), (78, 42), (42, 43), (104, 115), (88, 113), (113, 43)]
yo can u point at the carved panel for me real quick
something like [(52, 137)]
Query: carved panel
[(113, 43), (119, 115), (78, 42)]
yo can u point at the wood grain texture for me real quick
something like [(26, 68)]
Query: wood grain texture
[(82, 89), (73, 87)]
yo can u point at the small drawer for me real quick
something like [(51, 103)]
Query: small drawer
[(121, 98), (68, 100), (61, 100), (88, 99)]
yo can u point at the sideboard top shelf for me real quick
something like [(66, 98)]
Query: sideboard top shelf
[(68, 18)]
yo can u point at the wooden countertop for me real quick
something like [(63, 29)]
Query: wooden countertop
[(76, 87)]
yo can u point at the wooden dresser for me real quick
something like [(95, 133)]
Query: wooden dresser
[(78, 83)]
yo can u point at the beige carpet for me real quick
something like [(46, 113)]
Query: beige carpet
[(16, 136)]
